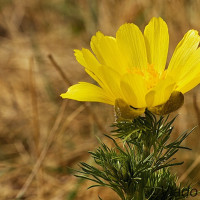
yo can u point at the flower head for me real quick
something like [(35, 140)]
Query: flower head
[(130, 70)]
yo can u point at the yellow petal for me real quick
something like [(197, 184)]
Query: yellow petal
[(124, 112), (90, 59), (79, 57), (111, 79), (131, 42), (191, 71), (189, 85), (191, 66), (173, 103), (160, 93), (95, 41), (107, 52), (182, 53), (87, 59), (157, 42), (105, 76), (134, 90), (87, 92)]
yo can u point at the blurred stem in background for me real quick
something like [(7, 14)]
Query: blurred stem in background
[(137, 167)]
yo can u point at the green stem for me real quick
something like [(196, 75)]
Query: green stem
[(141, 192)]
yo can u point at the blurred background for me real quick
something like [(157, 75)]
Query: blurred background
[(43, 136)]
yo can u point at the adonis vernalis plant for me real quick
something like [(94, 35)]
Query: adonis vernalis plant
[(131, 73)]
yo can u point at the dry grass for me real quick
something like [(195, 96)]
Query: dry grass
[(43, 136)]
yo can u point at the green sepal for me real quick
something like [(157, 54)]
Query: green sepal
[(175, 101), (124, 111)]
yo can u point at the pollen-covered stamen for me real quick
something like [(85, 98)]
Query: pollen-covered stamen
[(150, 75)]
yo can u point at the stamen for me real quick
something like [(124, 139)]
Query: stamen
[(149, 74)]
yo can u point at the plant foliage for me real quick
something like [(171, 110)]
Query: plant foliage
[(137, 166)]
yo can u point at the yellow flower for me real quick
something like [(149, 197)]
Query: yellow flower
[(130, 70)]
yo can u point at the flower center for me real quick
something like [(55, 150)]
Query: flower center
[(150, 75)]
